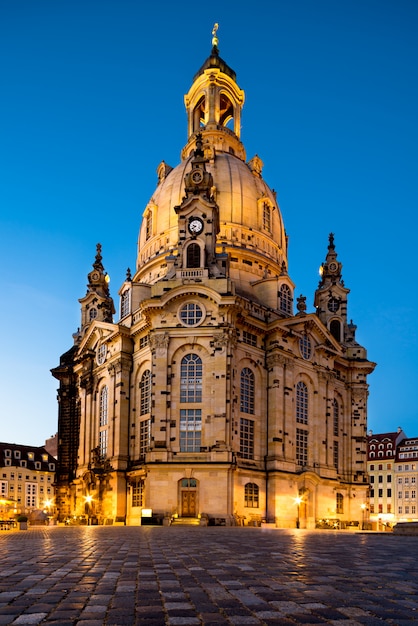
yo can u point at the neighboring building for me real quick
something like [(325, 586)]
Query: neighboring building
[(210, 397), (380, 510), (27, 480), (51, 445), (406, 480)]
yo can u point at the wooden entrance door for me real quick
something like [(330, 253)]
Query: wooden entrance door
[(188, 503)]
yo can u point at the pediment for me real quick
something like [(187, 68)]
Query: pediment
[(97, 332), (312, 325)]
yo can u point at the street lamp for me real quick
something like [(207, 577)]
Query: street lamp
[(298, 501), (363, 510), (88, 500)]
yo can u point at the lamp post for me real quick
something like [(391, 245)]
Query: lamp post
[(298, 500), (363, 510), (89, 500)]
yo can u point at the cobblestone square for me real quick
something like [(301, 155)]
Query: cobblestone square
[(195, 576)]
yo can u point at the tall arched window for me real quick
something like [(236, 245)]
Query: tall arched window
[(193, 255), (301, 403), (336, 417), (335, 329), (191, 378), (267, 216), (247, 391), (103, 406), (148, 227), (145, 387), (286, 300), (103, 420)]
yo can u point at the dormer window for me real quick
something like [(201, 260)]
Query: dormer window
[(31, 456), (267, 217), (17, 454), (148, 227), (125, 303)]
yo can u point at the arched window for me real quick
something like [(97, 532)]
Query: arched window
[(247, 391), (148, 227), (251, 495), (145, 387), (125, 303), (103, 420), (285, 300), (92, 314), (193, 255), (199, 115), (267, 216), (301, 403), (335, 329), (191, 378), (103, 406), (336, 417)]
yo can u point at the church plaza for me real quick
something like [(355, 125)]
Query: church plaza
[(194, 576)]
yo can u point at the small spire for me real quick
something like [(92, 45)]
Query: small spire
[(215, 39), (128, 275), (98, 261)]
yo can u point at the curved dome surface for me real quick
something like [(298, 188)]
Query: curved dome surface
[(241, 195)]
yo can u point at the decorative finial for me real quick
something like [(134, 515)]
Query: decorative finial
[(331, 241), (215, 39)]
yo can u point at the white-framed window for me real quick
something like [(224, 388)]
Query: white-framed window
[(247, 391), (190, 430), (267, 217), (191, 371), (31, 495), (249, 338), (92, 314), (246, 438), (144, 436), (251, 495), (101, 354), (137, 492), (301, 446), (191, 314), (125, 303), (285, 300), (103, 406), (145, 387), (305, 347), (336, 417), (302, 403)]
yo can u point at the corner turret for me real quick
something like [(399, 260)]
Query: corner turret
[(97, 303)]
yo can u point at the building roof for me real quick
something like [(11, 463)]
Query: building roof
[(33, 458)]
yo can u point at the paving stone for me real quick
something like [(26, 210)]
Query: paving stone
[(117, 576)]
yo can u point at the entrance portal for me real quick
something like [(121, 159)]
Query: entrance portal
[(188, 497)]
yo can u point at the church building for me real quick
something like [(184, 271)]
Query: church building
[(213, 394)]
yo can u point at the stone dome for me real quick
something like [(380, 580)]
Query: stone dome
[(250, 225)]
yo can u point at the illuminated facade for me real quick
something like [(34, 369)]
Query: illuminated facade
[(27, 477), (393, 475), (215, 396)]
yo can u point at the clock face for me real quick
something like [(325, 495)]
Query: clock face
[(195, 226), (333, 266), (197, 176)]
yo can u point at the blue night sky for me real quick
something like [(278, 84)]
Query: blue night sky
[(92, 101)]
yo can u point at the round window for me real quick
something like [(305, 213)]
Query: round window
[(191, 314)]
